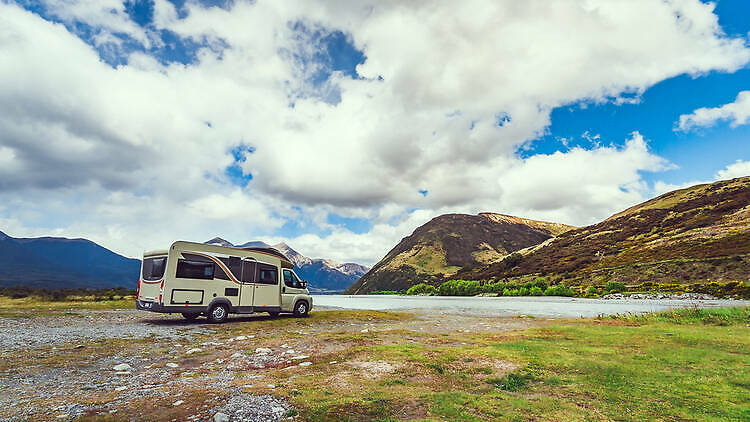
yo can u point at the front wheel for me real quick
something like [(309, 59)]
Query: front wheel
[(190, 315), (217, 314), (301, 309)]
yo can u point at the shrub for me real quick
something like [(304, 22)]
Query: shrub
[(523, 291), (536, 291), (558, 290), (614, 287), (511, 382), (592, 291), (421, 289), (494, 287), (459, 288), (506, 292), (541, 282)]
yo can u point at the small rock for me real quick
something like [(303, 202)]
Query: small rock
[(300, 357), (364, 331), (333, 362), (79, 346), (121, 388), (122, 367), (219, 361), (178, 402), (271, 386), (236, 355), (284, 346), (240, 338), (221, 417), (195, 350), (122, 373), (305, 364), (263, 350), (172, 365)]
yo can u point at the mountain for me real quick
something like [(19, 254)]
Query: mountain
[(689, 235), (54, 262), (322, 275), (451, 242)]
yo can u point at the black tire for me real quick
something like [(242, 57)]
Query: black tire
[(301, 309), (190, 315), (217, 314), (273, 314)]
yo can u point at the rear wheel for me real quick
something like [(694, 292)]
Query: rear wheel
[(190, 315), (218, 313), (301, 309)]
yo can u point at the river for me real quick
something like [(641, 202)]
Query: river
[(548, 307)]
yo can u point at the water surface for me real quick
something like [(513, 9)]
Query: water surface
[(550, 307)]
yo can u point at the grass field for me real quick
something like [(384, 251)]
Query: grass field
[(682, 365), (685, 364)]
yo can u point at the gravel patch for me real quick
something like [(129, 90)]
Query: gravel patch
[(246, 407), (22, 333)]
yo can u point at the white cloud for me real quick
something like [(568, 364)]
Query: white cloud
[(737, 169), (134, 156), (737, 112)]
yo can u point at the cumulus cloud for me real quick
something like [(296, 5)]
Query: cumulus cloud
[(737, 113), (136, 155), (737, 169)]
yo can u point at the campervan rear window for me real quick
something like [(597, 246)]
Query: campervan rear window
[(153, 268)]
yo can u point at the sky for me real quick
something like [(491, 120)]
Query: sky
[(341, 126)]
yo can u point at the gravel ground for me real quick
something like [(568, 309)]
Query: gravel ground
[(76, 326), (75, 363)]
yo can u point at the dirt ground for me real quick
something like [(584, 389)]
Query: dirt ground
[(131, 365)]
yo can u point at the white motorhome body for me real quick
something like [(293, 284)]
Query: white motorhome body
[(196, 279)]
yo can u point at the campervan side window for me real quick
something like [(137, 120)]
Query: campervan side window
[(153, 268), (267, 274), (248, 271), (195, 269), (218, 272), (291, 280), (235, 266)]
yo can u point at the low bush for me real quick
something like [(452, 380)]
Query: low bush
[(421, 289), (592, 291), (459, 288), (614, 287), (536, 291), (559, 290), (512, 382)]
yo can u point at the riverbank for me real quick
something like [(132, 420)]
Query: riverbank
[(365, 365)]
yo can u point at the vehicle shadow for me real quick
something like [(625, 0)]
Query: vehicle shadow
[(233, 319)]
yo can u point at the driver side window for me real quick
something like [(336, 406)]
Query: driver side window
[(289, 279)]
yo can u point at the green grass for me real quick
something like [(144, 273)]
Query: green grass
[(680, 365), (716, 316), (33, 305)]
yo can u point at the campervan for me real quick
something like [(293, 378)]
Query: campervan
[(195, 279)]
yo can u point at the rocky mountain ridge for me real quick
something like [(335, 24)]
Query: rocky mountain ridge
[(451, 243)]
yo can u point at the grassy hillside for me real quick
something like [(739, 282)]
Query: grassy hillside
[(690, 235), (452, 242)]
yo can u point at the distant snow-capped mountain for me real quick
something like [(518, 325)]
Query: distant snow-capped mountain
[(322, 275)]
